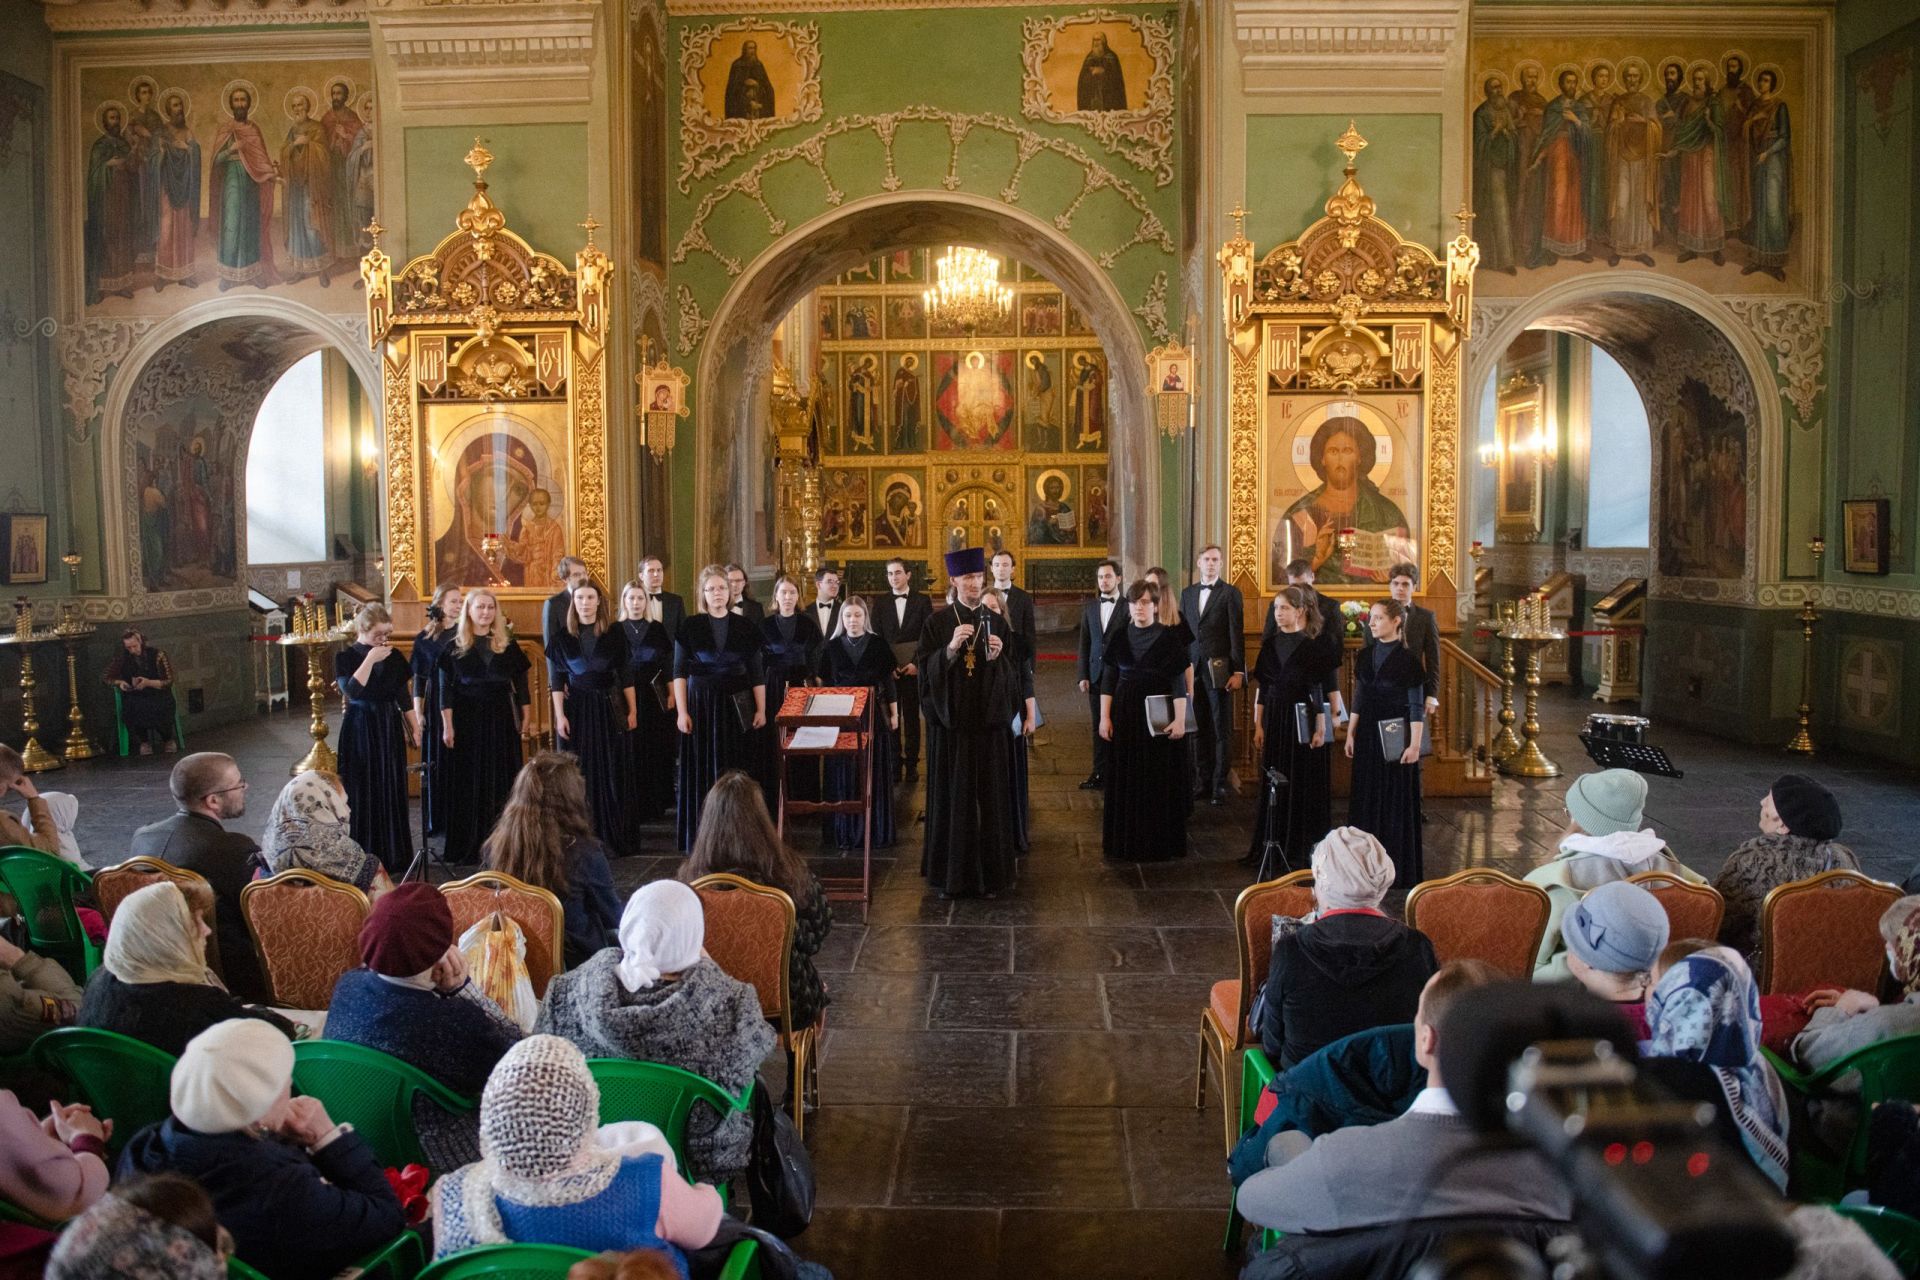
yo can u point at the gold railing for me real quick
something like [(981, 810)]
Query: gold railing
[(1468, 722)]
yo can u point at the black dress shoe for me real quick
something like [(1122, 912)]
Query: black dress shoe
[(1093, 783), (1219, 797)]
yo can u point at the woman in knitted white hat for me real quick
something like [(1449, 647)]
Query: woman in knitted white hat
[(657, 998), (302, 1196), (545, 1178)]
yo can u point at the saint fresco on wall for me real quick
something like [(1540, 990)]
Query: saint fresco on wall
[(1675, 154), (1110, 73), (1703, 487), (741, 82), (201, 178), (973, 399), (186, 463), (647, 131)]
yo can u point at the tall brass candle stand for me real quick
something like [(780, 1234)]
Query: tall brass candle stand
[(72, 629), (312, 635), (1506, 742), (35, 757), (1802, 740), (1532, 630)]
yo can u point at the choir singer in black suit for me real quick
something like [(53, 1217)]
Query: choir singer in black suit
[(1421, 632), (663, 606), (899, 617), (1213, 609), (826, 606), (1098, 617), (1018, 602), (570, 573)]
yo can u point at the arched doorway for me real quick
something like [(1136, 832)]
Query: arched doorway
[(736, 363)]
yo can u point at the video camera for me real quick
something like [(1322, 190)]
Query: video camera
[(1656, 1196)]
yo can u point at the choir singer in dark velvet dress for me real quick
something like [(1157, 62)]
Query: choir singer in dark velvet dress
[(1292, 672), (594, 708), (484, 712), (856, 657), (791, 656), (374, 732), (434, 642), (1146, 794), (716, 657), (1388, 683), (650, 747)]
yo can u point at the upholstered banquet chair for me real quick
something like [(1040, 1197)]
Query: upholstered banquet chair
[(538, 913), (1482, 914), (306, 931), (1824, 931), (750, 931), (112, 886), (1693, 910), (1224, 1031)]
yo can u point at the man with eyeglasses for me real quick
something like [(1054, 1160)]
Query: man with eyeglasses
[(209, 791)]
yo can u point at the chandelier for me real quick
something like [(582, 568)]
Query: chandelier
[(969, 293)]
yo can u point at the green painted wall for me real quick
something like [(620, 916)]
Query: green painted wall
[(1293, 166), (539, 178)]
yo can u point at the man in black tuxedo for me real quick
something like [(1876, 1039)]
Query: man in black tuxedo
[(898, 618), (1331, 639), (1097, 619), (571, 571), (1214, 610), (744, 605), (667, 609), (826, 600), (1020, 614), (1421, 631)]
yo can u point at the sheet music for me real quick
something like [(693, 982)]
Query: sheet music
[(830, 704), (814, 737)]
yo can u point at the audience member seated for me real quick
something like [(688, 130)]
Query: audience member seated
[(1846, 1021), (158, 1228), (44, 834), (545, 837), (36, 995), (1603, 842), (1350, 967), (1367, 1176), (737, 835), (307, 831), (636, 1264), (1830, 1247), (545, 1178), (658, 998), (302, 1196), (1704, 1012), (153, 982), (144, 678), (415, 1001), (1799, 837), (1368, 1077), (52, 1168), (208, 790), (1614, 937)]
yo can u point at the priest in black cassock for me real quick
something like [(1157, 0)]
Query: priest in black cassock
[(969, 689)]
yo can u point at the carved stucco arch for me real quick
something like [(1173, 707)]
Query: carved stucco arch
[(735, 359), (305, 330), (1581, 306)]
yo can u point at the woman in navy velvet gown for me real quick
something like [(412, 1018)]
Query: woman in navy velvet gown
[(650, 747), (720, 696), (1290, 671), (374, 732), (1145, 809), (594, 708), (484, 713), (1388, 684), (429, 647), (792, 656), (856, 657)]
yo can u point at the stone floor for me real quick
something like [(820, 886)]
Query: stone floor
[(1006, 1086)]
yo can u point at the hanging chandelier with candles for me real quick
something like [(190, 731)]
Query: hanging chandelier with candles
[(968, 293)]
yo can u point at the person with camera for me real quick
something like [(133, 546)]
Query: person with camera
[(1292, 728)]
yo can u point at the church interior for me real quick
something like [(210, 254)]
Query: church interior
[(1566, 352)]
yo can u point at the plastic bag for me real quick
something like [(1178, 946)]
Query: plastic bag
[(496, 955)]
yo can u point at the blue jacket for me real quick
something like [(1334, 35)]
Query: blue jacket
[(293, 1215), (1369, 1077), (454, 1038)]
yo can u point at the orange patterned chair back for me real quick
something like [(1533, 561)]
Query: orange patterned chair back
[(306, 931), (113, 885), (538, 913), (1253, 913), (1482, 914), (1693, 910), (1824, 931), (750, 930)]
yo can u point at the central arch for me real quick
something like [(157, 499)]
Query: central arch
[(736, 362)]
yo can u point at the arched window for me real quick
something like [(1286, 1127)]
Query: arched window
[(1620, 460), (287, 470)]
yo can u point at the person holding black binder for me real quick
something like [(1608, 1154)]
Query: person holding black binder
[(652, 742), (792, 639), (857, 657), (594, 707), (374, 732), (1143, 715), (1025, 717), (899, 619), (720, 697), (1292, 730), (1389, 713)]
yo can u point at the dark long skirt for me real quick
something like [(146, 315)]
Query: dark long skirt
[(373, 766), (1147, 792), (1386, 803), (148, 711), (598, 720), (479, 770), (651, 761), (843, 783), (717, 744), (1305, 802)]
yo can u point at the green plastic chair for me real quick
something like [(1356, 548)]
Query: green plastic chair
[(126, 737), (122, 1079), (663, 1096), (1887, 1070), (399, 1259), (551, 1261), (1256, 1069), (1897, 1235), (46, 887), (11, 1212), (373, 1091)]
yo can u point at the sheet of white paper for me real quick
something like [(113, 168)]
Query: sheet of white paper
[(814, 737), (830, 704)]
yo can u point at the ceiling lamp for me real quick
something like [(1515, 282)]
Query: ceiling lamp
[(969, 293)]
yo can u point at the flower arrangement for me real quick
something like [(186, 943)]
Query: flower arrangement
[(1353, 611)]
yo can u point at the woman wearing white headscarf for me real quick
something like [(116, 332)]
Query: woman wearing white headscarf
[(1351, 967), (153, 983), (308, 829), (657, 998)]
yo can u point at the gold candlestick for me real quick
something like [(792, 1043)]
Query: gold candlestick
[(311, 636), (1532, 630), (1802, 741), (1506, 742), (79, 746), (36, 757)]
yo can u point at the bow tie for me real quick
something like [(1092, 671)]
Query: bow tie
[(1109, 599)]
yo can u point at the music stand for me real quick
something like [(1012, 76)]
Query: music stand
[(853, 741), (1637, 756)]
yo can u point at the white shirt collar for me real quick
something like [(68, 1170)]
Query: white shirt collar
[(1433, 1101)]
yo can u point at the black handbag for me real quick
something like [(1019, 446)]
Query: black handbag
[(780, 1180)]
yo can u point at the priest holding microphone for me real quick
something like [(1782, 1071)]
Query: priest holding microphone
[(969, 691)]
